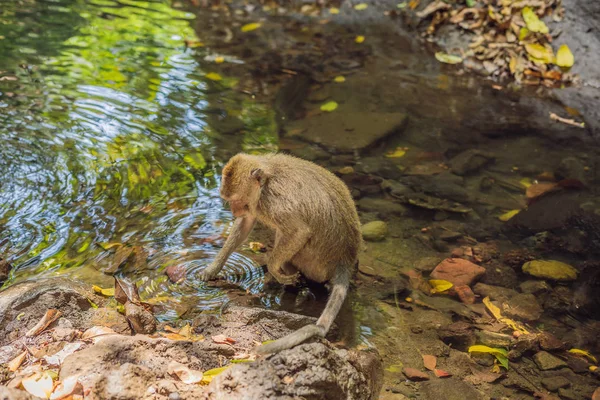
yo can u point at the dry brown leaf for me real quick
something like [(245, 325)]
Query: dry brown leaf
[(539, 189), (48, 318), (596, 394), (429, 362), (58, 358), (222, 339), (125, 291), (95, 331), (184, 374), (67, 388), (432, 8), (16, 362), (440, 373)]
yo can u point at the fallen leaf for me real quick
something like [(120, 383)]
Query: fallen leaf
[(329, 106), (361, 6), (58, 358), (184, 374), (16, 362), (500, 354), (219, 60), (211, 373), (125, 291), (564, 57), (508, 215), (110, 292), (399, 152), (108, 246), (440, 285), (339, 79), (448, 58), (429, 362), (257, 247), (213, 76), (67, 388), (584, 353), (334, 10), (534, 24), (539, 189), (540, 53), (222, 339), (39, 385), (596, 394), (48, 318), (359, 39), (251, 27), (95, 331), (440, 373), (495, 311)]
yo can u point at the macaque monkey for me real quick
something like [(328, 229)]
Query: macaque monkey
[(317, 230)]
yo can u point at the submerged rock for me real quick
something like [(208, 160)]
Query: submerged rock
[(458, 271), (5, 268), (524, 307), (382, 207), (555, 270), (374, 231), (555, 382), (469, 161), (546, 361)]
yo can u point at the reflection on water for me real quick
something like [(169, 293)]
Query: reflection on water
[(106, 139)]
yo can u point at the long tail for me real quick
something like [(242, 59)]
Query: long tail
[(340, 284)]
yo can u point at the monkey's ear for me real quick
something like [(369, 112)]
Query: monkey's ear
[(259, 175)]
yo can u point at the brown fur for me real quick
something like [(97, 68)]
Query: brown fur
[(317, 230)]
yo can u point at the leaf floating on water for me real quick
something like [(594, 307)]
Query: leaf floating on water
[(508, 215), (534, 24), (584, 353), (334, 10), (39, 385), (429, 362), (339, 79), (440, 285), (329, 106), (361, 6), (48, 318), (213, 76), (540, 53), (16, 362), (564, 57), (184, 374), (448, 58), (211, 373), (251, 27), (109, 292), (399, 152), (359, 39)]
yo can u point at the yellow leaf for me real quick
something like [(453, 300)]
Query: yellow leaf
[(513, 65), (211, 373), (485, 349), (16, 362), (439, 285), (251, 27), (448, 58), (329, 106), (339, 79), (213, 76), (534, 24), (334, 10), (359, 39), (593, 368), (564, 57), (508, 215), (526, 182), (40, 386), (399, 152), (220, 60), (361, 6), (584, 353), (495, 311), (540, 53), (523, 32), (395, 368), (110, 292)]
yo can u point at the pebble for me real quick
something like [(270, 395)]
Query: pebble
[(494, 292), (524, 307), (555, 382), (551, 269), (550, 342), (469, 161), (546, 361), (174, 396), (494, 339), (374, 231), (535, 287)]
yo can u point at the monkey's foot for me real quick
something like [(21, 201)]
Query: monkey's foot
[(209, 273), (286, 279)]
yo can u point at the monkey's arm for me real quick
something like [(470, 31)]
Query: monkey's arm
[(241, 228), (287, 244)]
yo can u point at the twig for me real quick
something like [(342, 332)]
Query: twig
[(571, 122)]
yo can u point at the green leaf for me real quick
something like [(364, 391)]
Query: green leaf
[(534, 24), (470, 3), (329, 106), (213, 76), (448, 58), (195, 160)]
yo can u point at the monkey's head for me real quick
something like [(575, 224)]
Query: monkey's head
[(241, 184)]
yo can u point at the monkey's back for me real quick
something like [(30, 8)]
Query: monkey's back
[(299, 190)]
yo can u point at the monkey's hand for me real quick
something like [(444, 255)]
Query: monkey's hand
[(284, 279), (210, 272)]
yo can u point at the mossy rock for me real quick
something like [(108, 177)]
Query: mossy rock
[(551, 269)]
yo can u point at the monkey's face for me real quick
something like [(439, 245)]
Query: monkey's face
[(241, 187)]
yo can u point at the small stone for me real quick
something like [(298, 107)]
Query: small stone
[(415, 375), (570, 168), (554, 270), (141, 320), (458, 334), (465, 294), (374, 231), (568, 394), (458, 271), (493, 339), (535, 287), (494, 292), (176, 273), (382, 207), (346, 170), (469, 161), (524, 307), (578, 365), (526, 343), (550, 342), (380, 166), (514, 355), (427, 264), (546, 361), (555, 382), (174, 396)]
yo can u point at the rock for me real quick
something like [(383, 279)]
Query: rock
[(176, 273), (523, 307), (555, 382), (535, 287), (494, 292), (550, 342), (5, 268), (110, 318), (225, 125), (450, 389), (311, 153), (141, 320), (526, 343), (568, 394), (414, 374), (546, 361), (458, 271), (551, 211), (469, 161), (7, 393), (427, 264), (459, 335), (554, 270), (465, 294), (349, 131), (379, 166), (366, 184), (494, 339), (578, 365), (384, 208), (396, 189), (374, 231), (345, 170), (570, 168)]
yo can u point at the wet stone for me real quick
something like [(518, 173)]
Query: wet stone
[(374, 231), (523, 307), (555, 382), (458, 271), (535, 287), (526, 343), (382, 207), (568, 394), (379, 166), (449, 389), (550, 342), (494, 339), (570, 168), (396, 189), (546, 361), (469, 161), (554, 270), (458, 334), (311, 153), (427, 264), (494, 292)]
